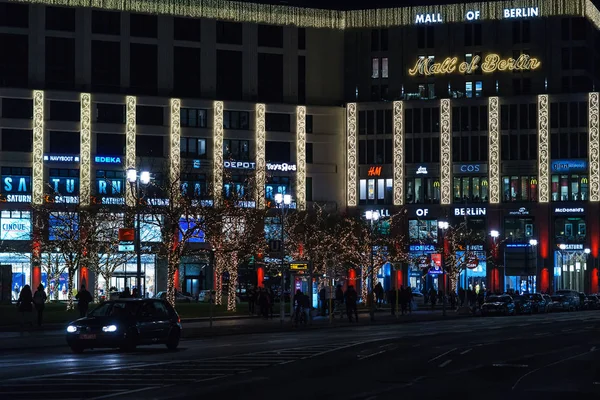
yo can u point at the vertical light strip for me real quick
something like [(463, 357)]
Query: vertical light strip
[(37, 188), (594, 146), (398, 153), (445, 152), (85, 156), (217, 153), (301, 158), (130, 106), (494, 149), (544, 149), (351, 153), (260, 156), (175, 140)]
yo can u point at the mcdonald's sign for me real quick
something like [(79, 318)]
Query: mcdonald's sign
[(436, 184), (584, 180), (533, 181), (374, 171), (484, 182)]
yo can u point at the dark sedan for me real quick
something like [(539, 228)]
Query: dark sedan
[(498, 305), (540, 303), (562, 303), (126, 323), (523, 304)]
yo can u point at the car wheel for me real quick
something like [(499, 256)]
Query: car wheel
[(77, 349), (173, 340), (130, 342)]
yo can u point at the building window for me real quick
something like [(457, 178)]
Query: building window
[(519, 188), (278, 151), (375, 68), (376, 191), (277, 122), (384, 67), (149, 115), (570, 230), (471, 189), (236, 120), (193, 118), (194, 185), (422, 231), (309, 189), (20, 140), (422, 190), (277, 184), (193, 148), (573, 187), (518, 229), (110, 144), (236, 150), (309, 153), (149, 146)]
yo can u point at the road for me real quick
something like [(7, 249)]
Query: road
[(539, 356)]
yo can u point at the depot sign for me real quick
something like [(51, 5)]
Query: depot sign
[(239, 164)]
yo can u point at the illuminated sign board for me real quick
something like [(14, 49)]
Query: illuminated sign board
[(239, 164), (569, 210), (110, 191), (470, 168), (520, 211), (281, 167), (472, 15), (422, 170), (64, 185), (299, 265), (15, 229), (421, 247), (107, 160), (569, 166), (374, 171), (522, 12), (382, 213), (491, 63), (422, 212), (16, 189), (570, 246), (196, 164), (428, 18), (126, 239), (61, 158), (474, 211)]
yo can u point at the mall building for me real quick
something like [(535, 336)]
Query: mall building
[(481, 112)]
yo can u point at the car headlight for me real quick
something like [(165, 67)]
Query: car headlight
[(71, 329), (109, 328)]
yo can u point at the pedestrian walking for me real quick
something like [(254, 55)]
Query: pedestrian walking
[(25, 305), (39, 301), (251, 300), (84, 298), (339, 300), (403, 299), (379, 294), (391, 298), (351, 297)]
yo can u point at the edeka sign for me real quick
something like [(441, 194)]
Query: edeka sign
[(16, 189), (473, 211), (491, 63), (569, 166), (107, 160)]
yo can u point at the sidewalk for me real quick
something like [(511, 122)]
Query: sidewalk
[(39, 339)]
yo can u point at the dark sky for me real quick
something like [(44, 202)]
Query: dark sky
[(363, 4)]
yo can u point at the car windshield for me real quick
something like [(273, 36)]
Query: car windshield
[(497, 299), (557, 298), (536, 297), (116, 309)]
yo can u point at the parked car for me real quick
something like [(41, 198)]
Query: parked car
[(179, 297), (591, 302), (126, 323), (523, 304), (540, 303), (573, 297), (502, 304), (562, 303)]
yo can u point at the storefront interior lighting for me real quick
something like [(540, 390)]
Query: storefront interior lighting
[(283, 198), (587, 251), (372, 215), (443, 225)]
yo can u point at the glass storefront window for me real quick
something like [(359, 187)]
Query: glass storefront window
[(471, 189), (125, 276), (570, 230), (519, 188), (422, 230), (376, 191), (21, 271), (518, 229), (574, 187), (277, 184), (569, 270), (422, 190)]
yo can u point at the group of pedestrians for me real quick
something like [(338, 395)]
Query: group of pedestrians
[(29, 301), (264, 298)]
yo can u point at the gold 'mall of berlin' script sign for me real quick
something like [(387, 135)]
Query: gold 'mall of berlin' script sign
[(492, 62)]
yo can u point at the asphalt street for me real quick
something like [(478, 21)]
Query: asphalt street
[(540, 356)]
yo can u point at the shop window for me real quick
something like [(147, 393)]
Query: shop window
[(471, 189), (236, 150), (422, 231), (519, 188), (518, 229), (236, 120), (376, 191), (193, 118), (194, 185), (573, 187), (275, 185), (422, 190), (193, 148), (570, 230)]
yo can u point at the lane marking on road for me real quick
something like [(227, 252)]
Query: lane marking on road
[(442, 355), (542, 334), (465, 352), (371, 355), (593, 348), (442, 365), (511, 365)]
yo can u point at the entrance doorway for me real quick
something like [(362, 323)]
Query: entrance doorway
[(192, 286)]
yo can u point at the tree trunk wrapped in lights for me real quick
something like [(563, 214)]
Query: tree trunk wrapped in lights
[(233, 279)]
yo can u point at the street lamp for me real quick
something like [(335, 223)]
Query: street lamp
[(283, 202), (443, 225), (532, 243), (372, 216), (134, 182)]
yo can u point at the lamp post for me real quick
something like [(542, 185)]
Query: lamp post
[(533, 243), (283, 202), (587, 252), (372, 216), (134, 183), (443, 225), (495, 235)]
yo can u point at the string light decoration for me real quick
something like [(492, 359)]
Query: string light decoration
[(259, 189), (398, 107), (301, 158), (594, 146), (85, 155), (544, 150), (274, 14), (351, 139), (494, 149), (175, 151), (37, 189), (130, 108), (445, 152), (217, 152)]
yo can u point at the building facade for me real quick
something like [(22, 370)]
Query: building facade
[(480, 112)]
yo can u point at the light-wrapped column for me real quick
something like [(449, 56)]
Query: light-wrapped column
[(130, 107), (37, 175), (398, 153), (544, 149), (445, 152), (217, 153), (594, 146), (259, 191), (494, 149), (85, 156), (301, 158), (175, 144), (351, 168)]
